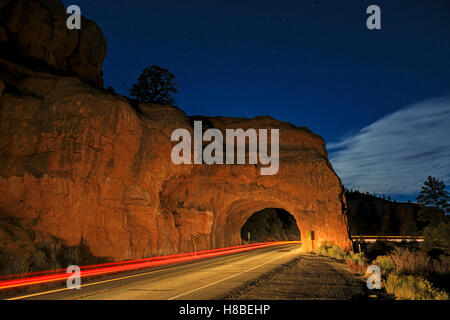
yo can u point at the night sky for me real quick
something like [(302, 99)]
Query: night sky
[(312, 63)]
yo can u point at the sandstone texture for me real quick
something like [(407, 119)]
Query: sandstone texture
[(79, 163), (34, 33)]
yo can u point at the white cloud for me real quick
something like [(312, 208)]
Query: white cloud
[(395, 154)]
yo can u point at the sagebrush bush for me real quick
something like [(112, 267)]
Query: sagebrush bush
[(333, 251), (385, 263), (413, 288), (357, 258), (407, 274), (323, 248), (330, 250), (413, 262), (337, 252)]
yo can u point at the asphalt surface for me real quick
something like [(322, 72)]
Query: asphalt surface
[(212, 278)]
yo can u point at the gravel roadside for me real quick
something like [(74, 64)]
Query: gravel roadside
[(307, 277)]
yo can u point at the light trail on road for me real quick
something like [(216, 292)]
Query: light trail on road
[(211, 278), (109, 268)]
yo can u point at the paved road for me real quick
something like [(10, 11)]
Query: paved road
[(212, 278)]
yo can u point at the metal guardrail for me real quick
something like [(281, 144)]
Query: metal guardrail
[(366, 238)]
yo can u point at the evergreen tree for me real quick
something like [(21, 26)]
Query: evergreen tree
[(155, 85), (434, 200), (433, 194)]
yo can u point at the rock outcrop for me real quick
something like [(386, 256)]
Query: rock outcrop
[(79, 163), (33, 33)]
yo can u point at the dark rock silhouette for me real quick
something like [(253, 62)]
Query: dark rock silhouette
[(34, 34), (369, 215)]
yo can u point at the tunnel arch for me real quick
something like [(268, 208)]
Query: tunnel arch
[(270, 224), (226, 229), (308, 213), (214, 201)]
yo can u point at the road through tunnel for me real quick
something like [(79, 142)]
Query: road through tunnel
[(270, 224)]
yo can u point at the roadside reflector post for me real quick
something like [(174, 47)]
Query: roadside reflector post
[(310, 238), (194, 242), (248, 237)]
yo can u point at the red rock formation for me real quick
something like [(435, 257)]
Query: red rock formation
[(34, 33), (79, 163)]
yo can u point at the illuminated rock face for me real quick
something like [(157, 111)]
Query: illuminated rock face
[(80, 163), (77, 162)]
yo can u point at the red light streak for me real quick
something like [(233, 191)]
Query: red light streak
[(63, 270), (128, 265)]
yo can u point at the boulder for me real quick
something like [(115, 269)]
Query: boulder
[(33, 33)]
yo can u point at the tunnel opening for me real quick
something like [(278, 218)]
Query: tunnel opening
[(270, 224)]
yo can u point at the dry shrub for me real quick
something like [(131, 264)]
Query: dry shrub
[(356, 267), (357, 258), (385, 263), (413, 288), (355, 261), (331, 250), (412, 262)]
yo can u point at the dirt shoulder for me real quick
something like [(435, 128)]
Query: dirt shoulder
[(308, 277)]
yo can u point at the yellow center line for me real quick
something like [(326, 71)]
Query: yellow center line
[(227, 278), (178, 272), (111, 280)]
